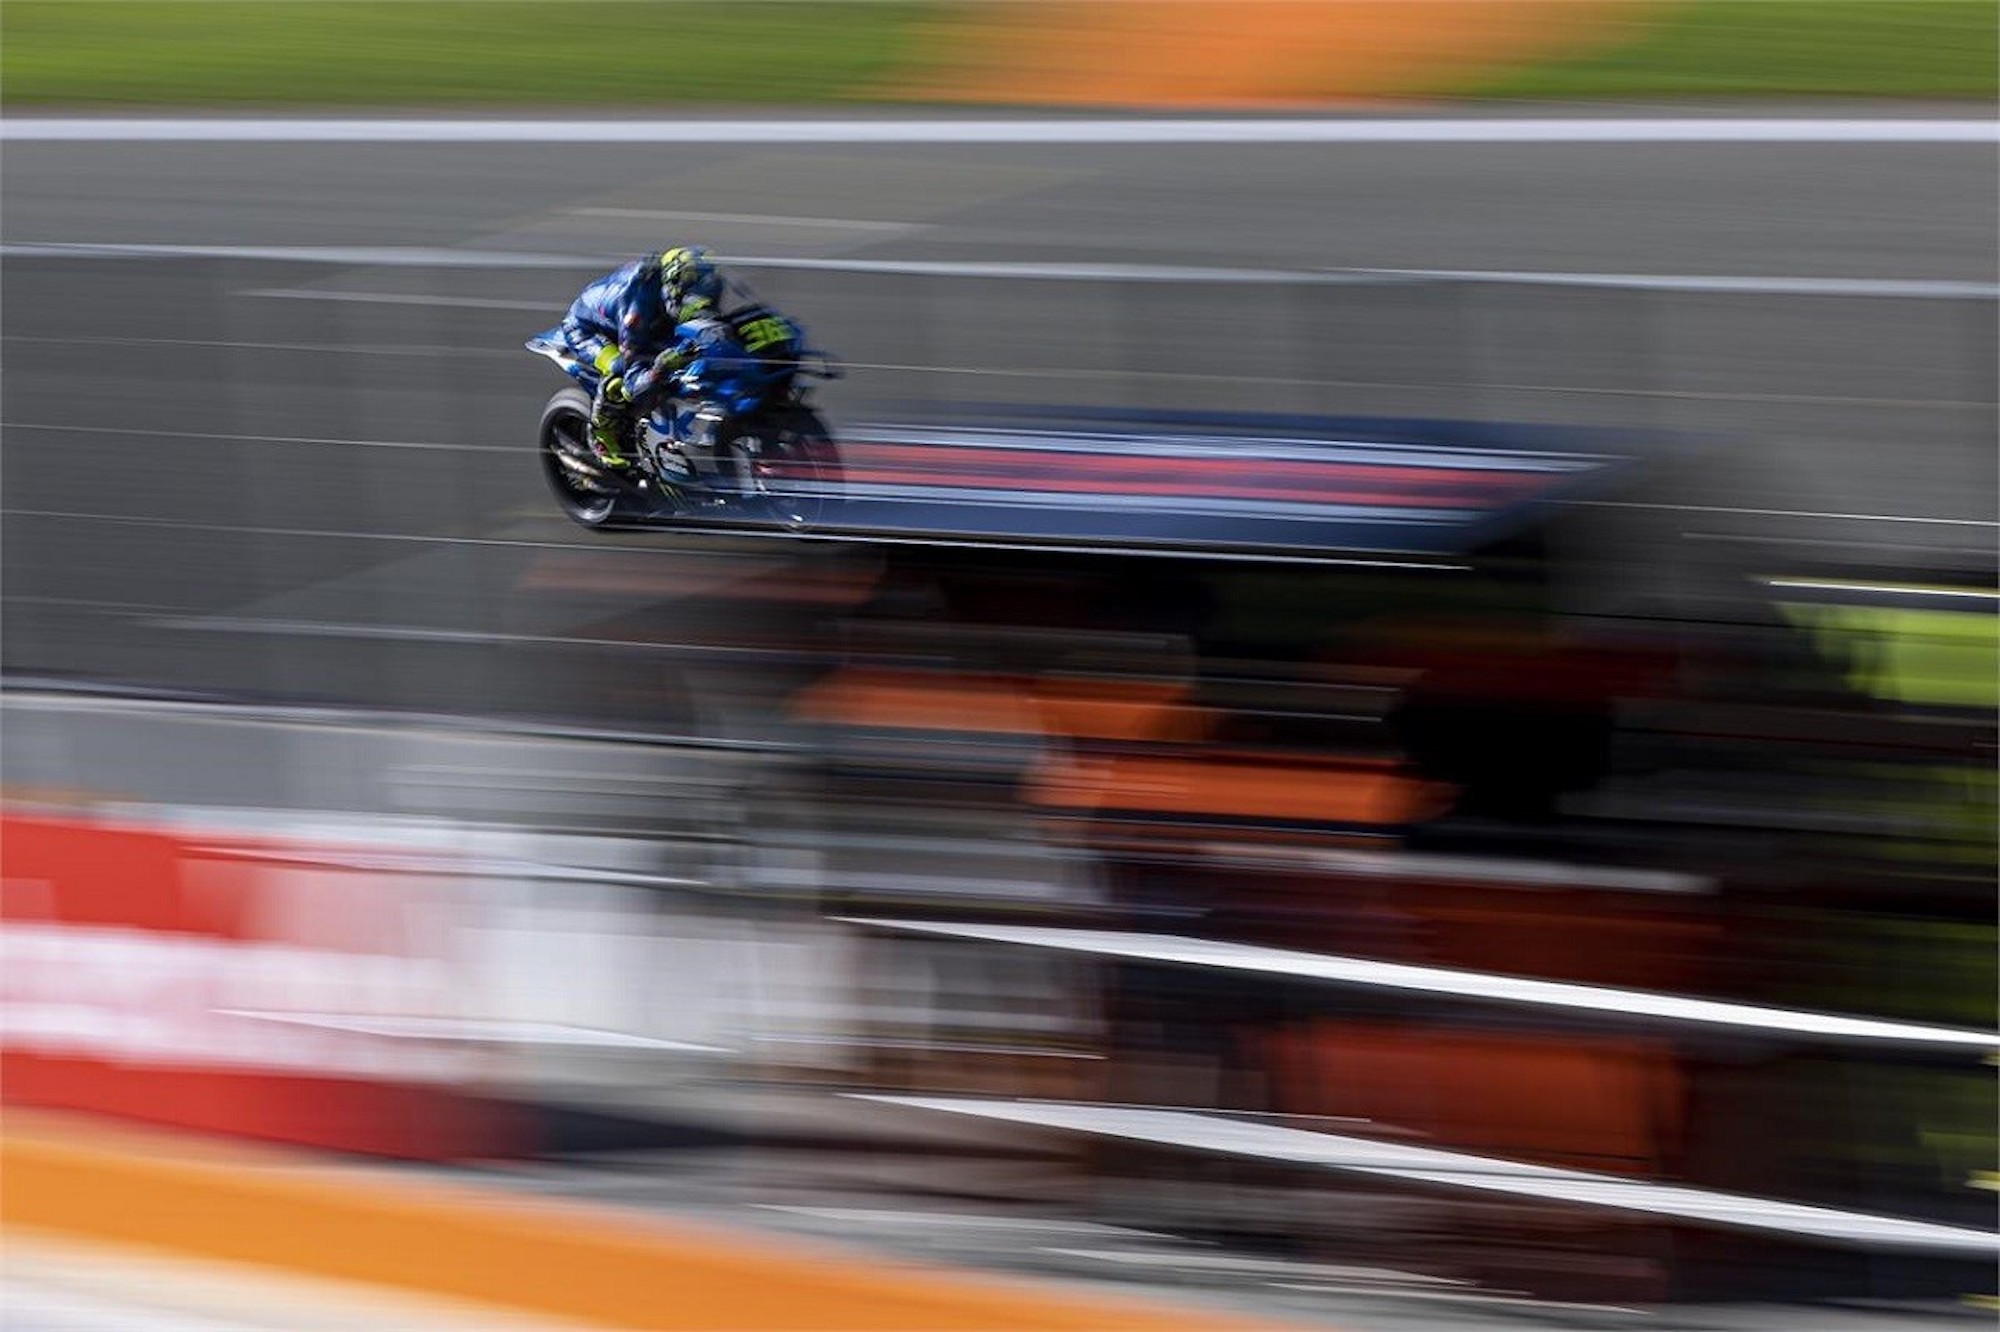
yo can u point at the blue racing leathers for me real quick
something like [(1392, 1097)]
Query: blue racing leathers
[(620, 323)]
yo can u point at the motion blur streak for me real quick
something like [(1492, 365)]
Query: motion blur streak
[(1497, 989), (1372, 721), (1334, 1151), (1778, 286), (1414, 130)]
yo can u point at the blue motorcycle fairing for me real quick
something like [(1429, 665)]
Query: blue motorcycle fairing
[(721, 372)]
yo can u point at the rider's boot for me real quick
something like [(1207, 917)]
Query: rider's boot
[(611, 425)]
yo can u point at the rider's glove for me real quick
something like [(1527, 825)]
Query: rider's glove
[(670, 360)]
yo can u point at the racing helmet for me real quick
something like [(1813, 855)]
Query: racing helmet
[(689, 284)]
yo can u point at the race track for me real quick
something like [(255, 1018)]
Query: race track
[(278, 447), (267, 463)]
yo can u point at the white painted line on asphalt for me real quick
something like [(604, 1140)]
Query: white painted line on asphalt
[(551, 309), (1517, 990), (241, 529), (1430, 1165), (1065, 272), (259, 439), (1044, 372), (1005, 270), (1025, 130), (1781, 513), (320, 348), (610, 543), (1720, 285), (1888, 589), (748, 219), (1776, 286), (390, 256), (425, 257)]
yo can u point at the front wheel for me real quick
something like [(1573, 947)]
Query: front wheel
[(785, 467), (569, 464)]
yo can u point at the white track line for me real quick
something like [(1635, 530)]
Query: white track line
[(322, 534), (382, 256), (1461, 1170), (1515, 990), (1035, 372), (1783, 513), (150, 432), (1080, 130), (748, 219), (836, 536), (552, 309), (1762, 286), (423, 257), (1885, 589)]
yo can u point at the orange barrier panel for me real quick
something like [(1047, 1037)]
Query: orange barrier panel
[(1591, 939), (1240, 785), (594, 1265), (917, 701), (1592, 1103)]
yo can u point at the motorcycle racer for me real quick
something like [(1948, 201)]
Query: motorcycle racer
[(642, 326)]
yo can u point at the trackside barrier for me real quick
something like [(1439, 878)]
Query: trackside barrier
[(1591, 1126), (160, 976), (1464, 1171)]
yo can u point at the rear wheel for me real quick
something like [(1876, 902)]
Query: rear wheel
[(785, 467), (580, 485)]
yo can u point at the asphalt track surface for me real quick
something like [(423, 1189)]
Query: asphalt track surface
[(311, 475)]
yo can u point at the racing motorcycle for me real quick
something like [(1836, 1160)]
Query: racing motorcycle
[(736, 440)]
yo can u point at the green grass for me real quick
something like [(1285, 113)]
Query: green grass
[(634, 52), (1754, 48), (449, 52)]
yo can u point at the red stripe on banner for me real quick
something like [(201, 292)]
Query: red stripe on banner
[(411, 1121), (136, 961)]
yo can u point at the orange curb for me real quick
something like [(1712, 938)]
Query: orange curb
[(591, 1265), (1250, 54)]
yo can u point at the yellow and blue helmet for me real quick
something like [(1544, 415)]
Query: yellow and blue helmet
[(689, 283)]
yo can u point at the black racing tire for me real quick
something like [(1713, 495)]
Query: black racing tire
[(565, 432), (794, 480)]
